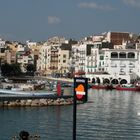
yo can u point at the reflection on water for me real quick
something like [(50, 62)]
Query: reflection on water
[(108, 115)]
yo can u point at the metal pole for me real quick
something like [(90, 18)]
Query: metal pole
[(74, 116)]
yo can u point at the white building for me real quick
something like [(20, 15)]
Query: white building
[(123, 64), (80, 52), (2, 43)]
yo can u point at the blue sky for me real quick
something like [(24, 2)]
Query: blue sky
[(39, 20)]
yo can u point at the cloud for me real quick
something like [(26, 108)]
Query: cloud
[(135, 3), (53, 20), (94, 5)]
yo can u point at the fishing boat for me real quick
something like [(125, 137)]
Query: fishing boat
[(128, 87), (101, 86), (29, 93)]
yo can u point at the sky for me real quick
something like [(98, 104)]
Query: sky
[(38, 20)]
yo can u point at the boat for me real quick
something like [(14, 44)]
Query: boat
[(128, 87), (101, 86), (39, 86), (27, 93), (16, 89)]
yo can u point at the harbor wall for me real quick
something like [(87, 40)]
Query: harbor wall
[(36, 102)]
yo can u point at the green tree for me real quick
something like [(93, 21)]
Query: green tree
[(30, 69), (6, 69), (10, 69), (16, 70)]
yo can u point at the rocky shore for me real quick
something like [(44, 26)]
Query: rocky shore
[(36, 102)]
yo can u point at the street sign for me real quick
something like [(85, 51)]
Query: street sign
[(81, 88), (80, 94)]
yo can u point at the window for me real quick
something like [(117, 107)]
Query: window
[(131, 55), (101, 57), (122, 55), (131, 71), (114, 55), (64, 56), (64, 61)]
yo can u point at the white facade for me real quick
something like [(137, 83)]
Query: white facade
[(79, 57), (2, 43), (120, 63), (25, 59), (20, 47), (30, 44), (98, 38), (92, 61)]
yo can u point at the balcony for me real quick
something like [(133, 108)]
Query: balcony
[(122, 65), (54, 55), (122, 73), (81, 64), (53, 68), (131, 66), (113, 65), (106, 65), (54, 61)]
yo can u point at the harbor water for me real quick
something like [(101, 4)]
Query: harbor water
[(108, 115)]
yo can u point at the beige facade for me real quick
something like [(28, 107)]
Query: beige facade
[(53, 59), (63, 63)]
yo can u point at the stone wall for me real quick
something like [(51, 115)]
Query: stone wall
[(36, 102)]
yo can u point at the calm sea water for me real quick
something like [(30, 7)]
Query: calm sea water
[(108, 115)]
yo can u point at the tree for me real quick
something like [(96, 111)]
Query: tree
[(10, 69), (6, 69), (30, 69), (16, 70)]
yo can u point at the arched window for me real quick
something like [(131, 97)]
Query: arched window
[(123, 81), (106, 81), (115, 81), (114, 55), (131, 55), (122, 55), (93, 80)]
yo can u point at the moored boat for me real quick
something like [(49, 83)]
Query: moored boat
[(128, 87), (100, 86)]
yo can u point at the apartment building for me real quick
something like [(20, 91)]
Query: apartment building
[(88, 57), (79, 57), (24, 56), (2, 51), (54, 58), (10, 53)]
